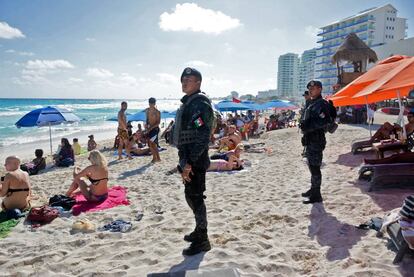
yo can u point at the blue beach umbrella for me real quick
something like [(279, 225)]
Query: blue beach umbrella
[(47, 116), (229, 106), (277, 104), (252, 105)]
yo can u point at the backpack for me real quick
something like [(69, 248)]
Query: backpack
[(43, 214)]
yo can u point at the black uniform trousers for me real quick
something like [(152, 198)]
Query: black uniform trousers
[(314, 154), (194, 195)]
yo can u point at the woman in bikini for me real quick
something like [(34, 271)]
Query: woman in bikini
[(222, 165), (15, 186), (95, 174)]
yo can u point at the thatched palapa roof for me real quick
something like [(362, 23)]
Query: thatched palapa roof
[(353, 49)]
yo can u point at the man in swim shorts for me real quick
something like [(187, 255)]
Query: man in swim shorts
[(152, 126)]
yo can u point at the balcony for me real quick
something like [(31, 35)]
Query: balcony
[(343, 35), (328, 46), (332, 68), (365, 19)]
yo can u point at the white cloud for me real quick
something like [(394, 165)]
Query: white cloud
[(99, 73), (198, 63), (48, 64), (8, 32), (228, 47), (191, 17), (90, 39), (128, 80), (167, 78), (75, 80), (312, 31), (23, 53)]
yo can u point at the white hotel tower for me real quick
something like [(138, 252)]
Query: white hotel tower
[(375, 26)]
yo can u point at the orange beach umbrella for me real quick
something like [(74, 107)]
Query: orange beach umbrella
[(390, 78)]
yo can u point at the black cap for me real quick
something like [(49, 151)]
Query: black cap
[(314, 83), (188, 71), (306, 93), (90, 136), (151, 100)]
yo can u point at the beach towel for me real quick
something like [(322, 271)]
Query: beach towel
[(160, 149), (116, 197), (7, 226)]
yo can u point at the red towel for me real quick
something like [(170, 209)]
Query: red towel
[(116, 197)]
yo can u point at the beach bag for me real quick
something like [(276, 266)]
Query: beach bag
[(63, 201), (43, 214)]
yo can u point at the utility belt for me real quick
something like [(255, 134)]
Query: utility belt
[(316, 136)]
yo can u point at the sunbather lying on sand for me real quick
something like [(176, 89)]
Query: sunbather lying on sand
[(15, 186), (95, 174), (139, 151), (222, 165)]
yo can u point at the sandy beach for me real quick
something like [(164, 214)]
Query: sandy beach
[(257, 222)]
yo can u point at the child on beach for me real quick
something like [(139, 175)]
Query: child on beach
[(76, 147), (91, 143), (15, 186)]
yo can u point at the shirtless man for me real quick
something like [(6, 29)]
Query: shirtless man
[(152, 129), (15, 186), (123, 132)]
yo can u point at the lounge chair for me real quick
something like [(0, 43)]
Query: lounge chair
[(398, 175), (360, 145), (394, 231)]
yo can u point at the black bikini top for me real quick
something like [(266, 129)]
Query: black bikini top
[(96, 181), (10, 191)]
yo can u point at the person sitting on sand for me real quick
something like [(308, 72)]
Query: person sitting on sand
[(37, 164), (65, 157), (91, 143), (15, 186), (96, 174), (225, 156), (222, 165), (76, 147), (231, 140), (139, 151)]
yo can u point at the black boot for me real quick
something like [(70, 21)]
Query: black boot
[(199, 244), (315, 196), (306, 194), (197, 247), (191, 236)]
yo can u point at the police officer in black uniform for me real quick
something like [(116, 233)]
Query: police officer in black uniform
[(314, 124), (192, 134)]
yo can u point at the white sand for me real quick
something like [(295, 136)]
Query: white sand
[(257, 222)]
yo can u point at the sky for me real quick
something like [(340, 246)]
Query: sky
[(138, 49)]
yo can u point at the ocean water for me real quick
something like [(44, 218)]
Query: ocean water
[(94, 116)]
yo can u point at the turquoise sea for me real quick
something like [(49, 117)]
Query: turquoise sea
[(94, 116)]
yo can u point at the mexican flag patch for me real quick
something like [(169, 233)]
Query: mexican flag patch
[(198, 122)]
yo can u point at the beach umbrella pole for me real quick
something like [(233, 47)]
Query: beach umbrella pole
[(401, 114), (50, 138), (369, 123)]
